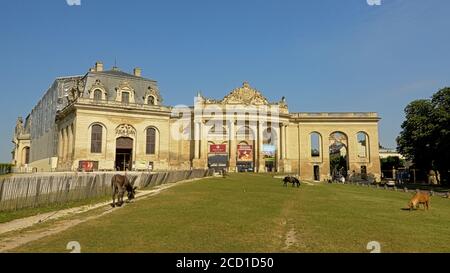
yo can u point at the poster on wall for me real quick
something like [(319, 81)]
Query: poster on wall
[(268, 152), (88, 166), (245, 153), (218, 148)]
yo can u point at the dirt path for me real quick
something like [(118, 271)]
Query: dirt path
[(15, 240)]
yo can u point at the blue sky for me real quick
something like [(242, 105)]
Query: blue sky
[(323, 55)]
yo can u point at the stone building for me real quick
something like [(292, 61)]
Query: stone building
[(111, 120)]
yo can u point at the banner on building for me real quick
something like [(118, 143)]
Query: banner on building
[(218, 148), (245, 153), (269, 152), (88, 166)]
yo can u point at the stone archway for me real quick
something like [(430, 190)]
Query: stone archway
[(338, 154)]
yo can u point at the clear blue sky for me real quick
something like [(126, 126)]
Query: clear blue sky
[(323, 55)]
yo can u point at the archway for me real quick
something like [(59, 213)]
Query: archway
[(26, 156), (338, 155), (124, 154)]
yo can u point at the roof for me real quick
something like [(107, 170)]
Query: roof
[(118, 73)]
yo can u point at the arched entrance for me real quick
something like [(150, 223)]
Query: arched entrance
[(124, 154), (338, 155)]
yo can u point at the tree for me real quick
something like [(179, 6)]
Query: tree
[(392, 162), (425, 135), (441, 134)]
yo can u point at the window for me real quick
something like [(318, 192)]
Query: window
[(151, 100), (362, 145), (315, 145), (96, 139), (27, 155), (125, 97), (98, 95), (151, 141)]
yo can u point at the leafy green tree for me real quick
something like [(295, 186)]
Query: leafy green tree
[(425, 135), (391, 162)]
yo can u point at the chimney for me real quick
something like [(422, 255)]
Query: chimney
[(138, 72), (98, 67)]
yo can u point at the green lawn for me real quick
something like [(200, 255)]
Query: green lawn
[(7, 216), (254, 213)]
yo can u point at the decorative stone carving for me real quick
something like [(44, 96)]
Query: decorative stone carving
[(97, 85), (125, 85), (19, 126), (245, 95), (152, 93), (125, 130)]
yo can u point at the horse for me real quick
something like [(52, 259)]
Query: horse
[(420, 198), (290, 179), (120, 184)]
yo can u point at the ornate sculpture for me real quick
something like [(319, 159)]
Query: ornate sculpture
[(97, 85), (19, 126), (125, 130), (245, 95), (152, 93)]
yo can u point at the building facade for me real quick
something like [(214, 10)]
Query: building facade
[(111, 120)]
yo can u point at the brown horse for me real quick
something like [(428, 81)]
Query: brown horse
[(120, 184)]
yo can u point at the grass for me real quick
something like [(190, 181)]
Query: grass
[(7, 216), (254, 213)]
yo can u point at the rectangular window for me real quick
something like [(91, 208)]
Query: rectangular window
[(125, 97), (96, 139), (151, 141)]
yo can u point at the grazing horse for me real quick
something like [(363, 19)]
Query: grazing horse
[(120, 184), (420, 198), (290, 179)]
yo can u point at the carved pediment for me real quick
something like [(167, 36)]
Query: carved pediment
[(245, 95), (125, 130), (125, 85)]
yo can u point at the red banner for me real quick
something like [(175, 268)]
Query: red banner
[(245, 152), (219, 148), (88, 166)]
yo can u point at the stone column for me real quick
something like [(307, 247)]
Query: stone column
[(204, 143), (278, 153), (285, 144), (60, 145), (69, 142), (197, 140), (64, 145), (232, 144), (260, 142)]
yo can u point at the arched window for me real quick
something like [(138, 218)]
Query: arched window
[(151, 141), (151, 100), (98, 95), (315, 145), (96, 139), (363, 145)]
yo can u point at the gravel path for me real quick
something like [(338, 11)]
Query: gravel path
[(11, 242)]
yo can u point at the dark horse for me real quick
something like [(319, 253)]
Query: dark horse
[(290, 179), (120, 184)]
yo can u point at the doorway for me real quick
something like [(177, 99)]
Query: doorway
[(124, 154), (316, 173)]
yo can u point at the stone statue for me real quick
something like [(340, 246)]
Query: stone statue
[(19, 126)]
